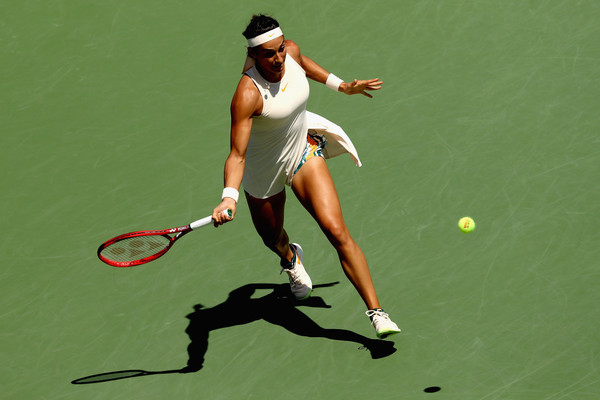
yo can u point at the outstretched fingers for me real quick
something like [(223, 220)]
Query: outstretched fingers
[(362, 86)]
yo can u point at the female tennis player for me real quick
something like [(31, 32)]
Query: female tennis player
[(273, 145)]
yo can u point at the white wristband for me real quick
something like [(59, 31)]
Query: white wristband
[(230, 192), (333, 82)]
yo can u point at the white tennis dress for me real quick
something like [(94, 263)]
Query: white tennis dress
[(278, 137)]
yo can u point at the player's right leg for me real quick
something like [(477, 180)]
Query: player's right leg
[(267, 217)]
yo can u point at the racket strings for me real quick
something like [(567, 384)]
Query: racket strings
[(135, 248)]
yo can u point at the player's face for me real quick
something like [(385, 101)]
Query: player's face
[(270, 57)]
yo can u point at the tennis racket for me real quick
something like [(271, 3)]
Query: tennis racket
[(141, 247)]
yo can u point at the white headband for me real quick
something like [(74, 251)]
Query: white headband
[(265, 37)]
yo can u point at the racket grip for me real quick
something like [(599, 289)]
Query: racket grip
[(208, 220)]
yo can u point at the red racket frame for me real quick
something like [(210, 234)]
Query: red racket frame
[(182, 230), (179, 232)]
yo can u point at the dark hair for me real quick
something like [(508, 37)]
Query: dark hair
[(258, 25)]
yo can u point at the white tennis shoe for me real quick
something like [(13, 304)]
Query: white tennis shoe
[(382, 323), (300, 282)]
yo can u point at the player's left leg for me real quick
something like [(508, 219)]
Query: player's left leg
[(315, 189)]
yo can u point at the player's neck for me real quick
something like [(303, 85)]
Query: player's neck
[(271, 76)]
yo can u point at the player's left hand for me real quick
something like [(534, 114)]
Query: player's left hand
[(361, 87)]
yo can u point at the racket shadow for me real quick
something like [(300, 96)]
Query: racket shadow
[(116, 375), (278, 307)]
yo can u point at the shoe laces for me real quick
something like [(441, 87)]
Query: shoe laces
[(292, 272), (377, 313)]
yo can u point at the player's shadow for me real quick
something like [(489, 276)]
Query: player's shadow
[(278, 307)]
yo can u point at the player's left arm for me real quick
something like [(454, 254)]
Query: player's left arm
[(319, 74)]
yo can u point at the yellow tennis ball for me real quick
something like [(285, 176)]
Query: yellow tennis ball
[(466, 224)]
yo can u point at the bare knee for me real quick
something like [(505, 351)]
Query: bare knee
[(337, 233), (267, 216)]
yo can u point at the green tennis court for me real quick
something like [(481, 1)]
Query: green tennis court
[(115, 117)]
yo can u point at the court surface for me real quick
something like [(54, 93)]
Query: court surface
[(115, 118)]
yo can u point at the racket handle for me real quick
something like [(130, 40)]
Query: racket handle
[(208, 220)]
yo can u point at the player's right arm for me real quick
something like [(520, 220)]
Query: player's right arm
[(246, 103)]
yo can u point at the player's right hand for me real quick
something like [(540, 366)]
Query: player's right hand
[(220, 216)]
